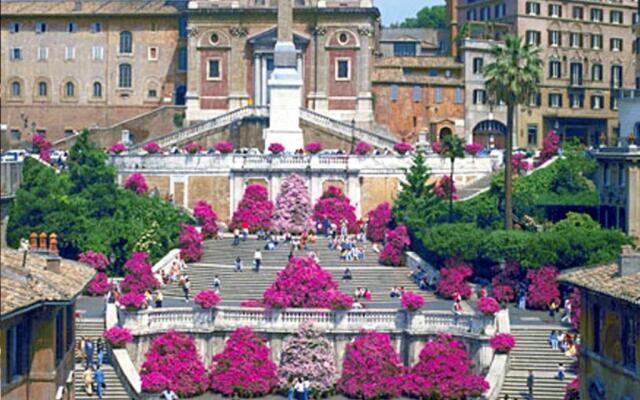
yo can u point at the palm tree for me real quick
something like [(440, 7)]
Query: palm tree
[(451, 148), (512, 80)]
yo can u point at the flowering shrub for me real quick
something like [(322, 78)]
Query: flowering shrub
[(40, 143), (502, 343), (488, 305), (550, 146), (505, 281), (117, 337), (314, 148), (543, 288), (444, 371), (402, 148), (136, 183), (444, 187), (336, 206), (152, 148), (206, 216), (117, 148), (572, 390), (190, 243), (192, 148), (254, 209), (207, 299), (452, 279), (224, 147), (243, 369), (436, 147), (518, 163), (95, 259), (172, 362), (100, 285), (341, 301), (397, 241), (575, 309), (411, 301), (371, 368), (276, 148), (308, 354), (363, 148), (45, 155), (292, 212), (302, 284), (504, 293), (473, 148), (133, 301), (139, 277), (379, 218)]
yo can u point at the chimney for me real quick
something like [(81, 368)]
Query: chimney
[(53, 264), (629, 262)]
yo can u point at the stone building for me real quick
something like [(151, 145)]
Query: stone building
[(609, 328), (586, 50), (410, 42), (37, 318), (67, 65)]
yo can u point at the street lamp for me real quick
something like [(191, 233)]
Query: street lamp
[(353, 135)]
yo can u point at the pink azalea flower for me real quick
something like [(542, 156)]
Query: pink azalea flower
[(118, 337), (314, 148), (363, 148), (411, 301), (502, 343), (152, 148), (379, 219), (224, 147), (402, 148), (276, 148), (254, 209), (336, 206), (117, 148), (136, 183), (207, 299)]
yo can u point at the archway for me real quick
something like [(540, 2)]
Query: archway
[(444, 132), (490, 133)]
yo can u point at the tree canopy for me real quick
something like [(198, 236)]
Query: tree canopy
[(429, 17)]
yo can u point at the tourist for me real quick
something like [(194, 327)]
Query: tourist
[(261, 234), (80, 348), (567, 311), (522, 302), (457, 308), (299, 389), (88, 351), (572, 351), (159, 298), (169, 394), (402, 290), (375, 248), (367, 294), (216, 284), (219, 234), (185, 288), (343, 228), (175, 271), (164, 278), (326, 225), (257, 259), (530, 383), (357, 305), (346, 275), (312, 238), (245, 231), (394, 293), (88, 380), (238, 265), (236, 237), (306, 385), (552, 309), (98, 376), (148, 297), (483, 292), (100, 351), (292, 391), (553, 340), (561, 372)]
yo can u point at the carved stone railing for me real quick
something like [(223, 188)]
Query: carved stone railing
[(153, 321)]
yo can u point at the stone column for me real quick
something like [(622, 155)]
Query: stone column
[(238, 96), (364, 106), (193, 76)]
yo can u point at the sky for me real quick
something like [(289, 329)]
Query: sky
[(397, 10)]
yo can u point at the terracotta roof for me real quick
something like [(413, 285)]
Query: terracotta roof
[(605, 279), (21, 287), (89, 7)]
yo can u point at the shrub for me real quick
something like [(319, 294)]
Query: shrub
[(45, 155), (190, 243), (292, 212), (411, 301), (314, 148), (444, 187), (488, 305), (402, 148), (254, 209), (117, 337), (543, 288), (371, 368), (192, 148), (336, 206), (206, 217), (397, 241), (436, 147), (444, 371), (243, 369), (519, 165), (100, 285), (224, 147), (504, 293), (172, 362), (95, 259), (550, 146), (139, 277), (341, 301), (152, 148), (363, 148), (572, 390), (207, 299), (136, 183), (40, 143), (307, 353), (452, 280), (133, 301), (575, 309), (502, 343), (473, 148), (505, 282), (379, 219), (276, 148)]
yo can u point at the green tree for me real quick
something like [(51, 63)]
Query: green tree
[(512, 79), (429, 17), (416, 205), (451, 148)]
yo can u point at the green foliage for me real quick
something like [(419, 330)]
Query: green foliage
[(89, 212), (444, 241), (178, 119), (429, 17)]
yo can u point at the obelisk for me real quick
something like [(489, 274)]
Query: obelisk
[(285, 86)]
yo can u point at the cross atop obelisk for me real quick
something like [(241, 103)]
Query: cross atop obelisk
[(285, 51)]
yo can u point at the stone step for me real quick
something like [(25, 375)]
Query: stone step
[(113, 391)]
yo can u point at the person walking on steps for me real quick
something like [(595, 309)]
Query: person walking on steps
[(100, 351), (238, 265), (216, 284), (159, 299), (88, 352), (257, 259), (530, 383), (98, 376), (88, 381), (236, 237), (185, 288)]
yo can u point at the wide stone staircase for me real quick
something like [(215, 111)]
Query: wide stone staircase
[(91, 329), (219, 256), (533, 352)]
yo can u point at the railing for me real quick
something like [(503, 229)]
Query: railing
[(10, 177), (628, 94), (229, 318), (165, 263)]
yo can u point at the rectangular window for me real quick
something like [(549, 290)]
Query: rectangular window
[(15, 53), (343, 69), (621, 175), (555, 38), (97, 53), (417, 94), (41, 27), (213, 70), (628, 337), (578, 13), (18, 350), (532, 134), (96, 27), (72, 27), (500, 10), (402, 49), (439, 95), (614, 102), (576, 74), (14, 27), (597, 312), (471, 15), (616, 17), (533, 38), (534, 100), (43, 53), (478, 64), (15, 135), (69, 309), (458, 96), (596, 41), (576, 100), (182, 59), (69, 53), (394, 92), (153, 54), (616, 76), (597, 102), (182, 26), (59, 337), (555, 100), (596, 72), (555, 10), (152, 93), (479, 96), (555, 68), (616, 44), (532, 8), (575, 40), (596, 14), (433, 72)]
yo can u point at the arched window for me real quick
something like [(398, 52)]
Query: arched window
[(16, 89), (69, 89), (42, 89), (125, 42), (97, 89), (124, 76)]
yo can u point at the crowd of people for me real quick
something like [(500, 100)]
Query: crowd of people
[(93, 375)]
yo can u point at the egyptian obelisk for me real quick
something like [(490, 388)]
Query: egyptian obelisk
[(285, 86)]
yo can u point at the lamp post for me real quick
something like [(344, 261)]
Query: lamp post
[(353, 135)]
